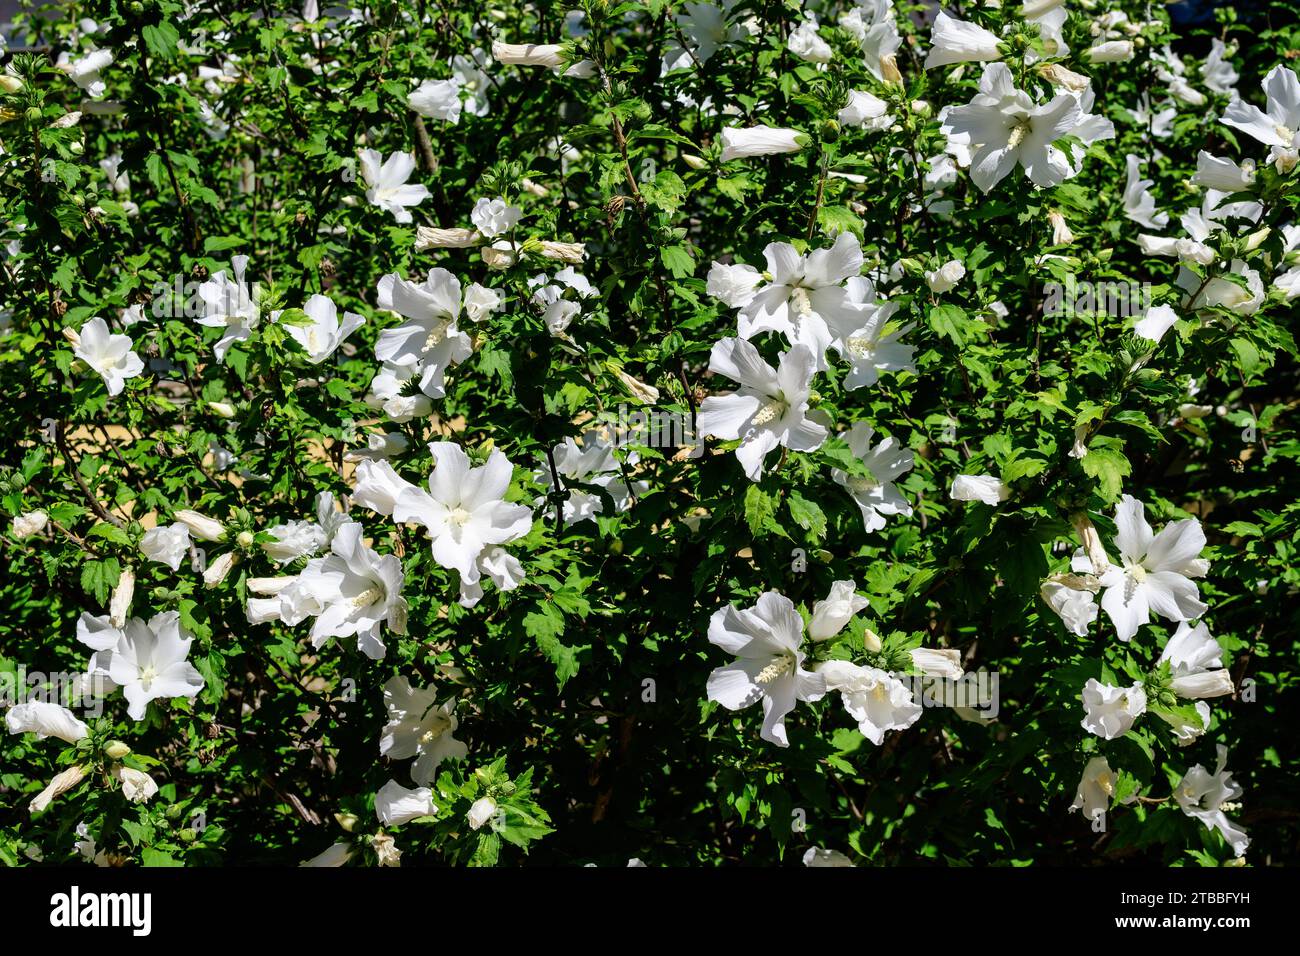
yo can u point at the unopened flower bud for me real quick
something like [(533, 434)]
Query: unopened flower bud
[(116, 750)]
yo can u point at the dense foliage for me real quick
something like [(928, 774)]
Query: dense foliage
[(805, 357)]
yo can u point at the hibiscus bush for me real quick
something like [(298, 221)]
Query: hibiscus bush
[(751, 432)]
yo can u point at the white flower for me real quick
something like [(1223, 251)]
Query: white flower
[(481, 301), (1002, 126), (1110, 51), (872, 22), (802, 296), (30, 523), (123, 593), (1096, 788), (418, 727), (430, 340), (379, 446), (378, 486), (817, 856), (230, 305), (1223, 174), (361, 590), (201, 526), (395, 804), (464, 512), (60, 784), (325, 333), (769, 409), (1221, 292), (1061, 234), (1196, 663), (85, 71), (1202, 795), (1110, 711), (744, 142), (540, 54), (592, 463), (388, 393), (492, 217), (294, 540), (45, 720), (437, 99), (1279, 123), (705, 28), (769, 664), (1076, 606), (1217, 71), (1139, 204), (830, 616), (1155, 570), (866, 110), (217, 571), (945, 277), (149, 662), (137, 786), (957, 41), (878, 701), (876, 495), (560, 299), (1155, 322), (864, 336), (387, 182), (335, 855), (107, 354), (942, 662), (983, 488), (806, 44), (480, 812)]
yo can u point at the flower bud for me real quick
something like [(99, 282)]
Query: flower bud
[(871, 641), (346, 820), (218, 569), (244, 539), (693, 161), (26, 525), (116, 750), (481, 812), (224, 409), (121, 600), (201, 526)]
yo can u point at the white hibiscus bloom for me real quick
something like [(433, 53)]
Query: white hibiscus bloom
[(1203, 795), (395, 804), (591, 463), (419, 727), (865, 337), (1003, 126), (322, 336), (149, 663), (876, 496), (108, 354), (45, 719), (769, 664), (429, 340), (769, 409), (229, 304), (877, 700), (1110, 711), (167, 544), (386, 180), (1154, 572), (464, 512)]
